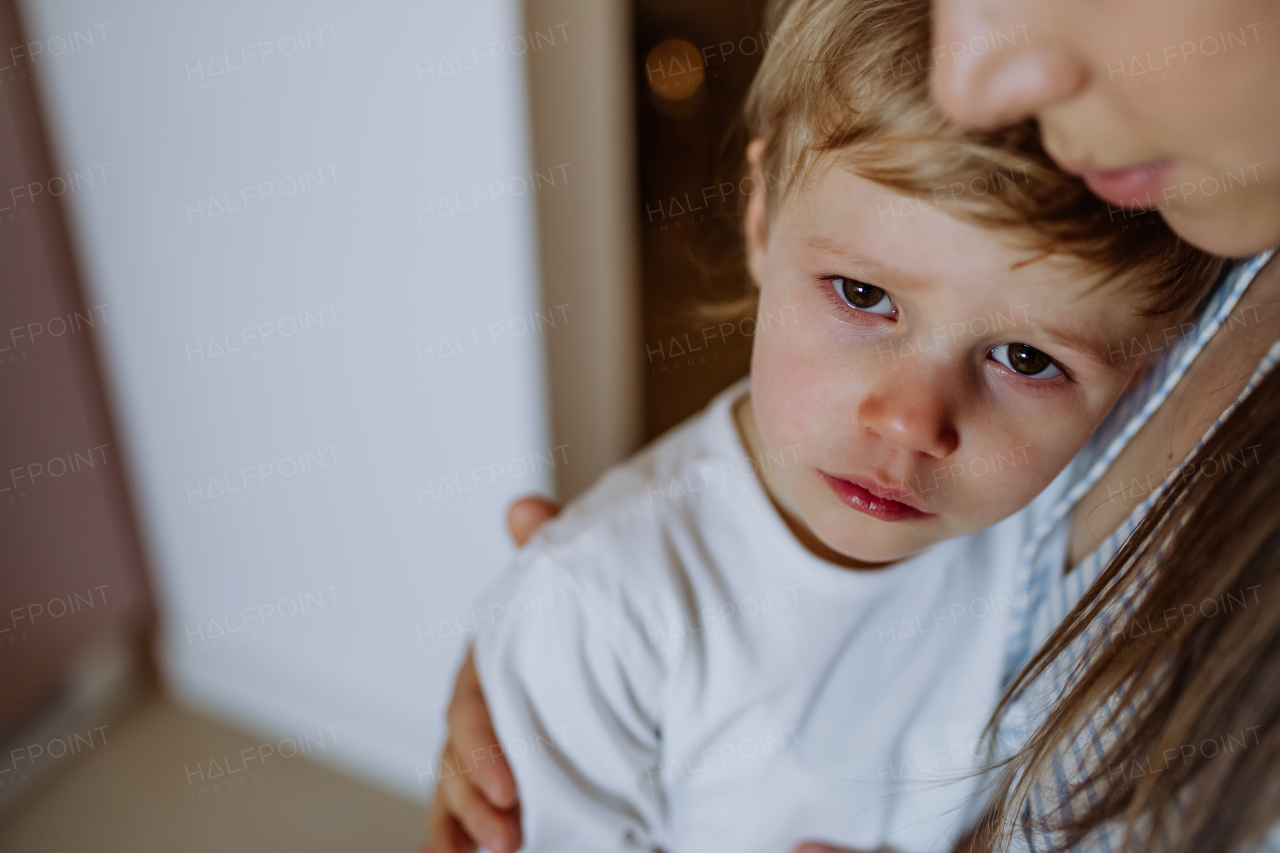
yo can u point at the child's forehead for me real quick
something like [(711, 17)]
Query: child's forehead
[(848, 214), (908, 240)]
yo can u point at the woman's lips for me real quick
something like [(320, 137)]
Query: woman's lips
[(863, 499), (1134, 187)]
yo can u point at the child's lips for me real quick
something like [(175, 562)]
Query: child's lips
[(872, 497)]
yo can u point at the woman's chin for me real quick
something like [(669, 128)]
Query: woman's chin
[(1232, 231)]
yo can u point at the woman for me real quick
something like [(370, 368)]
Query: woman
[(1152, 104), (1148, 122)]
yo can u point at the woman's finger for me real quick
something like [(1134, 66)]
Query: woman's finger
[(490, 827), (445, 833), (473, 740), (527, 515)]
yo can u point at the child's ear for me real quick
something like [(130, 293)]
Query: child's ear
[(754, 222)]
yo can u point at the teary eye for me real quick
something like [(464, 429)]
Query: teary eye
[(1026, 361), (863, 296)]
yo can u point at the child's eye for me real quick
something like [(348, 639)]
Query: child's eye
[(1026, 361), (863, 296)]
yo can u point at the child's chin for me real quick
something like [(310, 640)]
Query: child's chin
[(876, 548)]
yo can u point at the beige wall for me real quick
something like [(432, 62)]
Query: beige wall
[(581, 96)]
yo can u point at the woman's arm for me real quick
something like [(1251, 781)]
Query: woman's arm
[(480, 808)]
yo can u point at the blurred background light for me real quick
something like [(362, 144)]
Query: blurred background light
[(674, 69)]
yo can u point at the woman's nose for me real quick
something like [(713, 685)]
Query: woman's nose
[(997, 61)]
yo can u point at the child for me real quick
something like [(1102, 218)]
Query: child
[(782, 620)]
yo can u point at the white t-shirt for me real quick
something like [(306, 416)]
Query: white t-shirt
[(667, 667)]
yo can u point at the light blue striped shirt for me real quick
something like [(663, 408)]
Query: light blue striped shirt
[(1052, 593)]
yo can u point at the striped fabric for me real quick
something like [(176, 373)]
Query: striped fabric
[(1051, 594)]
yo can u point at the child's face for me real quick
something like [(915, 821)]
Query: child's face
[(920, 381)]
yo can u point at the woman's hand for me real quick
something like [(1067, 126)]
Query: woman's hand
[(476, 801)]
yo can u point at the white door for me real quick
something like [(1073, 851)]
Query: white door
[(313, 224)]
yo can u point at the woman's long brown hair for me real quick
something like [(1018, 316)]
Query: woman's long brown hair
[(1193, 760)]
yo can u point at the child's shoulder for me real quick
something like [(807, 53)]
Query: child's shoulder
[(620, 532)]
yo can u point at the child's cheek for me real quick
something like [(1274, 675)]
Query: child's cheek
[(786, 383), (997, 483)]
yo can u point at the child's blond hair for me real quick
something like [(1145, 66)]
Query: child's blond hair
[(848, 80)]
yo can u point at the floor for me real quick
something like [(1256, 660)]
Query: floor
[(132, 796)]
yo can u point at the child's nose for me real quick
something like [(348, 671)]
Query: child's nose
[(996, 63), (911, 412)]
